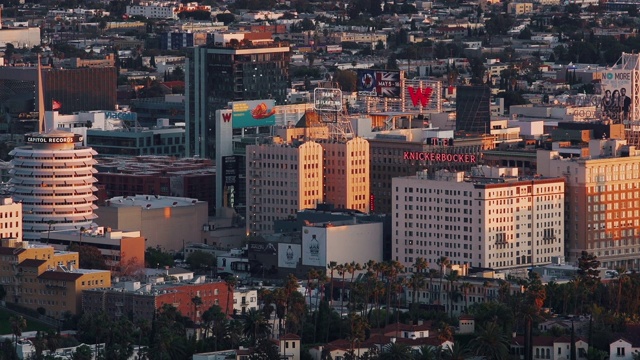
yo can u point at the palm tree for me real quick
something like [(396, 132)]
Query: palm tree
[(396, 351), (417, 282), (332, 266), (491, 343), (428, 352), (231, 282), (82, 230), (456, 352), (466, 286), (196, 301), (451, 278), (443, 262), (421, 264), (255, 326), (352, 268), (432, 274), (50, 223), (18, 323)]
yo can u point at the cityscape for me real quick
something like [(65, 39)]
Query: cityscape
[(310, 180)]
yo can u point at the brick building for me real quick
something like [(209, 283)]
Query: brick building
[(142, 300)]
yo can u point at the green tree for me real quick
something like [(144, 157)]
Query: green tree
[(346, 80), (201, 260), (90, 257), (83, 352), (265, 350), (155, 257), (226, 18)]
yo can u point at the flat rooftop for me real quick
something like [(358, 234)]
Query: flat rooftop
[(151, 201)]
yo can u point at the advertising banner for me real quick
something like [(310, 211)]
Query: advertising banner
[(314, 246), (327, 100), (289, 255), (262, 248), (230, 170), (616, 92), (379, 83), (253, 113)]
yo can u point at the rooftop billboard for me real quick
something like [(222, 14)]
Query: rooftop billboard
[(253, 113), (379, 83)]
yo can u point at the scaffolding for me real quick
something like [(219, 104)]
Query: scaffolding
[(631, 62)]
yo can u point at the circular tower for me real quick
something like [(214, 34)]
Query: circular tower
[(53, 178)]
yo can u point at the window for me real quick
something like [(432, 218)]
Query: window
[(620, 351)]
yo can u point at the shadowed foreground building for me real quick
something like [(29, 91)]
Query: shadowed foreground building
[(141, 301), (36, 275)]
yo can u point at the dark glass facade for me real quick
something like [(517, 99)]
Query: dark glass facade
[(473, 109), (82, 89), (217, 75)]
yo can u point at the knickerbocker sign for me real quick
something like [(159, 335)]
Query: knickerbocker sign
[(443, 157)]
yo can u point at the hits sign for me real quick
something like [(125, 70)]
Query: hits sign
[(327, 100)]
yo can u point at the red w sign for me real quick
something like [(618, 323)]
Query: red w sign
[(420, 96), (226, 117)]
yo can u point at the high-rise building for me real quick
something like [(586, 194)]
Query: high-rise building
[(603, 201), (396, 155), (92, 88), (346, 174), (53, 179), (282, 179), (233, 70), (495, 219), (473, 109)]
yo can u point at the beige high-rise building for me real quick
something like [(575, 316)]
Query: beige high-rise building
[(495, 219), (282, 179), (346, 174), (603, 201)]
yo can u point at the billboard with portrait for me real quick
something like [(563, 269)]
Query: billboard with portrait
[(314, 246), (379, 83), (616, 93), (289, 255), (253, 113)]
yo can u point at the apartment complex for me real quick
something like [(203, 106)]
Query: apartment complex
[(53, 179), (491, 218), (141, 301), (37, 276), (346, 174), (10, 219), (282, 179), (602, 201)]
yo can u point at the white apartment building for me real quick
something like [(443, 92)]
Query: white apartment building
[(493, 219), (346, 171), (244, 299), (10, 219), (154, 10), (282, 179)]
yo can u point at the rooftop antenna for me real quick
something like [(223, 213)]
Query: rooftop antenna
[(41, 127)]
